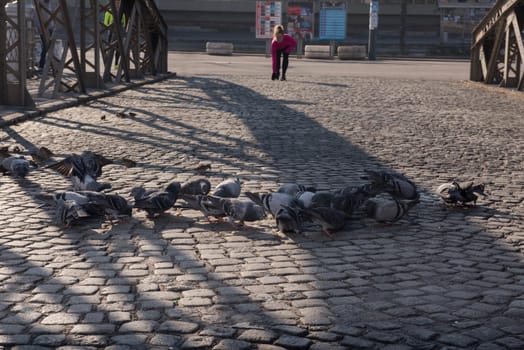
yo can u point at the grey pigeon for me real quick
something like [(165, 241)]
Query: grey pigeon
[(112, 205), (195, 187), (460, 194), (283, 207), (154, 201), (204, 205), (117, 206), (69, 211), (351, 198), (293, 188), (89, 184), (322, 199), (16, 166), (305, 198), (84, 169), (395, 184), (288, 219), (238, 209), (229, 188), (272, 202), (41, 155), (87, 163), (386, 210), (331, 220)]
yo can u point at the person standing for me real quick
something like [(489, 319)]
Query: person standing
[(281, 47), (46, 24), (108, 21)]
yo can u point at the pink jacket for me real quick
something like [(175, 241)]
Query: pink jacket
[(287, 45)]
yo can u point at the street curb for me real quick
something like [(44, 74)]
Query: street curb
[(18, 117)]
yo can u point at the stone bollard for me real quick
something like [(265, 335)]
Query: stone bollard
[(317, 51), (353, 52), (213, 48)]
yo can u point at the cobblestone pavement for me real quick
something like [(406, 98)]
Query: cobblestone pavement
[(442, 278)]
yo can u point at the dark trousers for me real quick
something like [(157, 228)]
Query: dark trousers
[(41, 63), (285, 61), (117, 51)]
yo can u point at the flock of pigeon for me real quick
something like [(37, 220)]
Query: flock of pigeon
[(387, 197)]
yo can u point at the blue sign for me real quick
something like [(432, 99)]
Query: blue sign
[(332, 22)]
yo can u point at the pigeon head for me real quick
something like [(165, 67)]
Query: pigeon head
[(205, 186), (20, 169), (137, 192)]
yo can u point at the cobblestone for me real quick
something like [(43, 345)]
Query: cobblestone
[(440, 278)]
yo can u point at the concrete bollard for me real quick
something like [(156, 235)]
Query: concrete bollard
[(214, 48), (353, 52), (317, 51)]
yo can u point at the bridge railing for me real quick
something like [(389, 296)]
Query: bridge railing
[(497, 51), (82, 50)]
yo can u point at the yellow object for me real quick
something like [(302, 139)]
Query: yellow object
[(108, 19)]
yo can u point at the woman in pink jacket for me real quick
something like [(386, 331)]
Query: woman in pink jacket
[(281, 46)]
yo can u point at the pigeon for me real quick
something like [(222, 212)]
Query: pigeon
[(112, 205), (195, 187), (330, 219), (460, 194), (16, 166), (117, 206), (202, 168), (86, 164), (84, 169), (285, 208), (238, 209), (388, 211), (322, 199), (272, 202), (229, 188), (351, 198), (154, 201), (395, 184), (293, 188), (89, 184), (69, 211), (41, 155), (288, 219), (10, 148), (203, 204), (305, 198)]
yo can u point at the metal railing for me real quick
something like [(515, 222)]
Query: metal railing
[(80, 47), (497, 51)]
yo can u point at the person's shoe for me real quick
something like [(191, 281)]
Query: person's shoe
[(283, 78)]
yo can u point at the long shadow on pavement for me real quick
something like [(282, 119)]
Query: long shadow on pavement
[(445, 278)]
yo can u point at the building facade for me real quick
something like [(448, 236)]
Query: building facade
[(423, 26)]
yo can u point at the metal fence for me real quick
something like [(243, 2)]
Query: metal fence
[(78, 47)]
